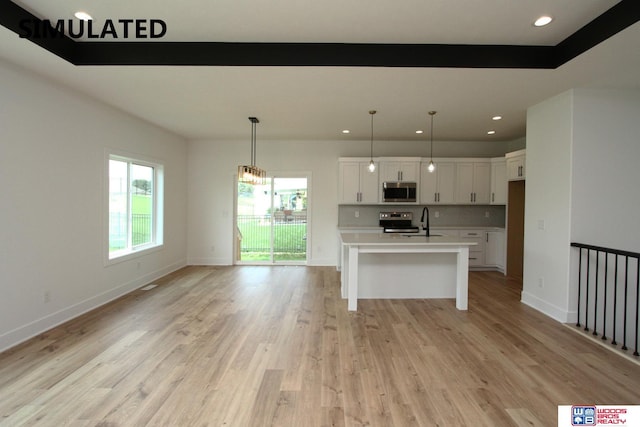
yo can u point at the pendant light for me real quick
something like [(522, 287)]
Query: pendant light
[(251, 174), (432, 166), (372, 165)]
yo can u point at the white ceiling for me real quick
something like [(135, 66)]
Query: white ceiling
[(317, 103)]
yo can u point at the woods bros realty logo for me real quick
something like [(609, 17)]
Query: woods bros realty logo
[(598, 415), (77, 28)]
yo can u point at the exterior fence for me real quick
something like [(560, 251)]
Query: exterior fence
[(289, 234), (140, 230)]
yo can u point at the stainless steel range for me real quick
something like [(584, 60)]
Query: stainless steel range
[(398, 222)]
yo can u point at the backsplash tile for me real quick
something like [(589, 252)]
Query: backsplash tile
[(448, 215)]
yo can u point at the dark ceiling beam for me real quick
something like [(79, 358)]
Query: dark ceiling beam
[(11, 15), (314, 54), (611, 22), (619, 17)]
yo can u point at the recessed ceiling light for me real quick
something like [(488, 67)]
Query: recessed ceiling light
[(84, 16), (491, 132), (419, 131), (346, 131), (542, 21), (496, 118)]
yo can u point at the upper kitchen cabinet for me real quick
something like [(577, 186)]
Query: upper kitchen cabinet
[(400, 169), (516, 165), (473, 182), (355, 183), (498, 181), (438, 187)]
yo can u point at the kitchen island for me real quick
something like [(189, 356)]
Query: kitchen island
[(378, 265)]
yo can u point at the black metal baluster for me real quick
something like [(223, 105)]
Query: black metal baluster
[(579, 283), (626, 296), (586, 293), (615, 303), (604, 307), (635, 353), (595, 299)]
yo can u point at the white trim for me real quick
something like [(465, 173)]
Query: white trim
[(271, 176), (551, 310), (158, 206)]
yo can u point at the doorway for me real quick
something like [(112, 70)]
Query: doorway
[(271, 221), (515, 230)]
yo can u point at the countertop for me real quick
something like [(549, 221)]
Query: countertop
[(355, 229), (392, 239)]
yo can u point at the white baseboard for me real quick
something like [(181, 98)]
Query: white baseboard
[(209, 261), (322, 262), (36, 327), (551, 310)]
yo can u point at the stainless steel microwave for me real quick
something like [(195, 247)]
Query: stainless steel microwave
[(399, 191)]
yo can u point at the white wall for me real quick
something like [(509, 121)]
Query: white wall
[(606, 176), (52, 148), (548, 206), (582, 181)]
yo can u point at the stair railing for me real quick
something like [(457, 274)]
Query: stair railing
[(609, 293)]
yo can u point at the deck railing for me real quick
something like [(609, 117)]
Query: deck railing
[(608, 294)]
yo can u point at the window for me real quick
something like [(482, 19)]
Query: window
[(135, 214)]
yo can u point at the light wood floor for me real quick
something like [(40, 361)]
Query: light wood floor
[(275, 346)]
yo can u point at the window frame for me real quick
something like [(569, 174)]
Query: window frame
[(157, 227)]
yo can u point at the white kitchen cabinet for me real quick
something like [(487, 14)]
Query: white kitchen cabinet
[(473, 183), (399, 170), (476, 252), (437, 187), (498, 181), (495, 249), (516, 165), (356, 184)]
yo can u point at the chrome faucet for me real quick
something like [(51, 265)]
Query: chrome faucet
[(424, 219)]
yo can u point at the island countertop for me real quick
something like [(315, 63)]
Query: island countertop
[(396, 239)]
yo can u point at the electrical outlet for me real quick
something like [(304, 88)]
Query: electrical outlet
[(486, 214), (436, 214), (357, 214), (46, 296)]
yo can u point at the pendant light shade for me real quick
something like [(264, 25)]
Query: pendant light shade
[(372, 165), (251, 174), (432, 166)]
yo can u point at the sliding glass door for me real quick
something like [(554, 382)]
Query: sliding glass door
[(271, 221)]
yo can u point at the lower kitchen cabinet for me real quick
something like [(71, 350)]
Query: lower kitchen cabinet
[(495, 249), (476, 252)]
